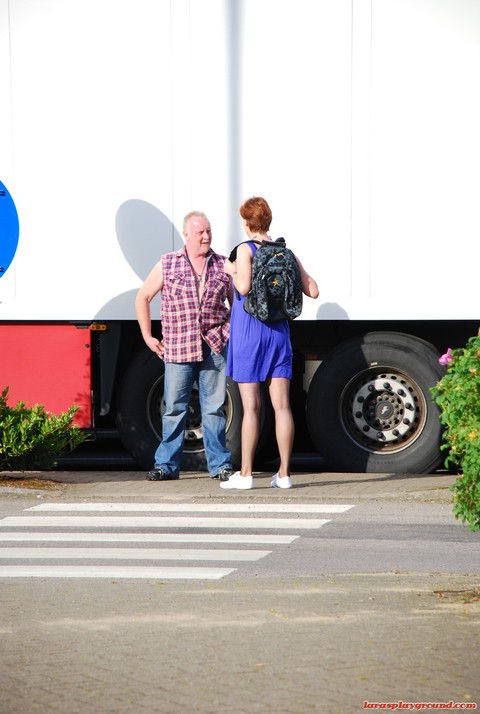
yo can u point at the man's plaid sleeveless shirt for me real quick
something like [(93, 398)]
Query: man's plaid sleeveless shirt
[(186, 321)]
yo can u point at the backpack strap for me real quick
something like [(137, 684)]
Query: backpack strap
[(233, 255)]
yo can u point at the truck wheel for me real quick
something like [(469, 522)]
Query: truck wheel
[(369, 408), (139, 414), (141, 407)]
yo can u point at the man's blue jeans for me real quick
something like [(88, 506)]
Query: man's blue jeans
[(179, 379)]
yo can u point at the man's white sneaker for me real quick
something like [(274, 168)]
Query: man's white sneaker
[(281, 482), (236, 480)]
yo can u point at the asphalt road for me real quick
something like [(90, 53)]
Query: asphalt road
[(361, 538)]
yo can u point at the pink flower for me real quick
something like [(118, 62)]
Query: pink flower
[(446, 358)]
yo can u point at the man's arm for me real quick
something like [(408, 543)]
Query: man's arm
[(151, 287)]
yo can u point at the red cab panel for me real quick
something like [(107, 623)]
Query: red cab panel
[(47, 364)]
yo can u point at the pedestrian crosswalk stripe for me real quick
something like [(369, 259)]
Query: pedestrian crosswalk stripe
[(108, 533), (159, 522), (132, 554), (246, 538), (101, 571), (196, 507)]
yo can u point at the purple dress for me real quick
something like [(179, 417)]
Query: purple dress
[(257, 350)]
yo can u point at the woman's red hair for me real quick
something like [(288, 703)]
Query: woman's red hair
[(257, 213)]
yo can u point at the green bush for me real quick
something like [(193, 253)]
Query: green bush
[(33, 438), (458, 397)]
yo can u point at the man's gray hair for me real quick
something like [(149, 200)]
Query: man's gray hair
[(193, 214)]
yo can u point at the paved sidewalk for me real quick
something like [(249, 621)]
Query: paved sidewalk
[(196, 486)]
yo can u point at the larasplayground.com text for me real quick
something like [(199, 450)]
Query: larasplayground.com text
[(419, 706)]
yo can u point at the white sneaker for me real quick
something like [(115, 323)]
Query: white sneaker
[(236, 480), (281, 482)]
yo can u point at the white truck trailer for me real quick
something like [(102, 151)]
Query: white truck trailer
[(358, 120)]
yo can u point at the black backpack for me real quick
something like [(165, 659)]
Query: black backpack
[(276, 292)]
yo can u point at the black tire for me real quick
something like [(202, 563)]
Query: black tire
[(139, 417), (369, 408)]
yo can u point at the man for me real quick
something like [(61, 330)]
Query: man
[(195, 331)]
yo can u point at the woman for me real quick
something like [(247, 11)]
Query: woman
[(260, 352)]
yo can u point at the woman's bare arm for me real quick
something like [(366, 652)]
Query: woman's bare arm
[(309, 285)]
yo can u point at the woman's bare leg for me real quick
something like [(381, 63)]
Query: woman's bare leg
[(279, 388), (251, 402)]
